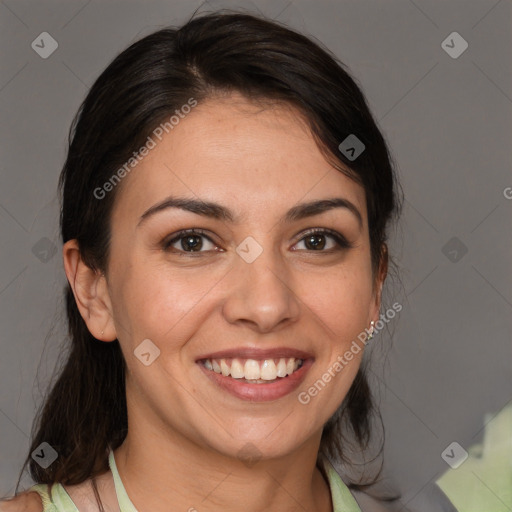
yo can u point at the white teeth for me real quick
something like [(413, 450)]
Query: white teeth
[(268, 370), (224, 367), (281, 368), (253, 370), (237, 370)]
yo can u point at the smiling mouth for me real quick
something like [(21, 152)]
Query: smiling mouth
[(254, 371)]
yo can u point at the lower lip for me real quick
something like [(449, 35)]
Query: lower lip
[(259, 392)]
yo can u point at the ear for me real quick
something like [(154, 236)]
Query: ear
[(379, 283), (91, 293)]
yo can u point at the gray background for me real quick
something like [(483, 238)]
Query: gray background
[(448, 122)]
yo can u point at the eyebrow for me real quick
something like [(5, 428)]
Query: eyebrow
[(217, 211)]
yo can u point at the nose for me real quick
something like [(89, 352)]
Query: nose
[(261, 294)]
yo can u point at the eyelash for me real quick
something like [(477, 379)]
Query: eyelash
[(341, 241)]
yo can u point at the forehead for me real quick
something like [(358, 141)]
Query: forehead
[(248, 156)]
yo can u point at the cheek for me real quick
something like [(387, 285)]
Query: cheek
[(341, 299), (160, 303)]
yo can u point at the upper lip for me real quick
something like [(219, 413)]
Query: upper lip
[(256, 353)]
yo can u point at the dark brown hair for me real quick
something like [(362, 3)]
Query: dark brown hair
[(85, 410)]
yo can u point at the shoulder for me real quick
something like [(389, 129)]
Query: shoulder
[(28, 501), (38, 498), (431, 499)]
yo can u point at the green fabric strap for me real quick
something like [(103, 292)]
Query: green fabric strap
[(60, 501)]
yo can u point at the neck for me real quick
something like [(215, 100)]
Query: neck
[(160, 470)]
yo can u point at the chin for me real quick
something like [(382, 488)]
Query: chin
[(253, 448)]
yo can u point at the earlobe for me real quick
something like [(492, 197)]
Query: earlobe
[(91, 293)]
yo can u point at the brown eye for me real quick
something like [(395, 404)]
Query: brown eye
[(315, 240), (190, 240)]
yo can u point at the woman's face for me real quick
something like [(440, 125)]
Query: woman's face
[(253, 289)]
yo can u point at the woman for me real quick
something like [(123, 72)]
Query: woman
[(225, 203)]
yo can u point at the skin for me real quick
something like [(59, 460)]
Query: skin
[(185, 433)]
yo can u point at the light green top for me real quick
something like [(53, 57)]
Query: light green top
[(484, 480), (60, 501)]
